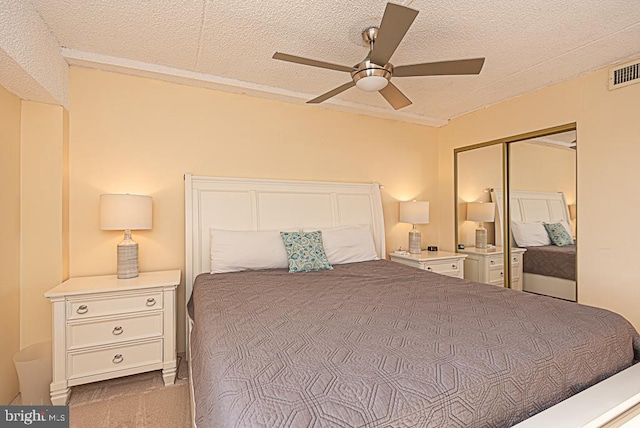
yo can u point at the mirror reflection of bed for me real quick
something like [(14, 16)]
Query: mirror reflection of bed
[(548, 268), (544, 164)]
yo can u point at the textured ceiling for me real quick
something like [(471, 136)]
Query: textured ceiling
[(528, 44)]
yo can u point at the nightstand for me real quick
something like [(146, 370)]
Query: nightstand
[(486, 265), (105, 327), (442, 262)]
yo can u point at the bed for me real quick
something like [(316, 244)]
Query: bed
[(376, 343), (548, 270)]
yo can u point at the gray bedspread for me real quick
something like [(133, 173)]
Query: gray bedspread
[(379, 344), (551, 260)]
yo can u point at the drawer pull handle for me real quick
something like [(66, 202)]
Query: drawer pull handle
[(454, 266), (117, 359), (151, 301), (502, 274), (117, 330), (492, 262), (515, 259), (82, 309), (429, 268)]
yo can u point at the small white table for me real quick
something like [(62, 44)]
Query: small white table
[(105, 327), (442, 262)]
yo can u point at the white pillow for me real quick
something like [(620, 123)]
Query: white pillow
[(233, 251), (529, 234), (348, 244), (566, 226)]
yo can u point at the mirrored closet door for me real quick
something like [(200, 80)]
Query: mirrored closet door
[(530, 179), (542, 183)]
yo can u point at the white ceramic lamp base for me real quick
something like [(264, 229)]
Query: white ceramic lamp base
[(481, 237), (415, 241), (127, 257)]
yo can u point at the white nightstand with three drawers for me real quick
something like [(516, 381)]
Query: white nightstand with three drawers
[(442, 262), (104, 327), (486, 265)]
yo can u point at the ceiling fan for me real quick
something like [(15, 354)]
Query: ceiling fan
[(374, 73)]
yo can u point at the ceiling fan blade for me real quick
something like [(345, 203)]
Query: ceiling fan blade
[(311, 62), (462, 66), (395, 24), (331, 93), (395, 97)]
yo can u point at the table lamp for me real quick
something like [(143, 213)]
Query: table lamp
[(414, 212), (126, 212), (481, 212)]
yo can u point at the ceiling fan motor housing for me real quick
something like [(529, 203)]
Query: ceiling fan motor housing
[(373, 75)]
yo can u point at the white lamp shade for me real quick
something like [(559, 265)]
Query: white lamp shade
[(125, 212), (415, 212), (481, 211)]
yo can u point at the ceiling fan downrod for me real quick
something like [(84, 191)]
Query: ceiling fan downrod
[(367, 75), (369, 35)]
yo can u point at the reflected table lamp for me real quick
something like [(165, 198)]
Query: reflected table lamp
[(126, 212), (414, 212), (481, 212), (572, 211)]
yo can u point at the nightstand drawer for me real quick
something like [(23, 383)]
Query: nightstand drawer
[(516, 259), (113, 330), (441, 262), (496, 276), (113, 305), (445, 266), (496, 261), (87, 363)]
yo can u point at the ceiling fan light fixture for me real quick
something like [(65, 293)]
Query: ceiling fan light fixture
[(372, 83), (371, 77)]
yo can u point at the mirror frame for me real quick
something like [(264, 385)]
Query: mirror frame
[(505, 143)]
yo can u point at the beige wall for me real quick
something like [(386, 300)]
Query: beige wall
[(42, 198), (10, 242), (607, 163), (137, 135), (543, 168)]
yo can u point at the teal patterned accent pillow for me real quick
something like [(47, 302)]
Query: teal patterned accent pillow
[(558, 234), (305, 251)]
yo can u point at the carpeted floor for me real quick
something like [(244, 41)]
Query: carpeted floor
[(137, 401)]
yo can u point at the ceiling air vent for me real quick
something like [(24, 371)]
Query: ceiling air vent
[(625, 74)]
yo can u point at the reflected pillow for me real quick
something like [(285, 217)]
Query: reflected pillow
[(305, 252), (348, 244), (558, 234), (529, 234), (566, 226)]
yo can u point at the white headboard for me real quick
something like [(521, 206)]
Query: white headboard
[(530, 206), (258, 204)]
